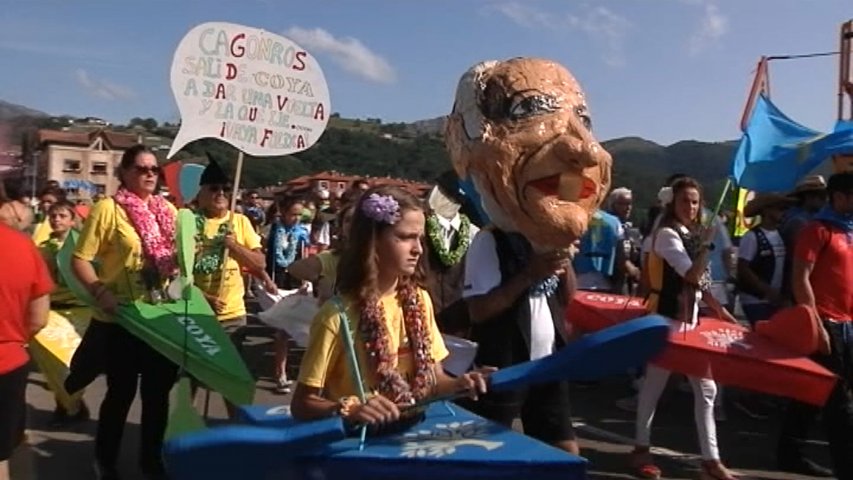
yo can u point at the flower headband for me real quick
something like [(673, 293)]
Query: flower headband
[(381, 208)]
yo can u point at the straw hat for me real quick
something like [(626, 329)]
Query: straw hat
[(812, 183), (763, 201)]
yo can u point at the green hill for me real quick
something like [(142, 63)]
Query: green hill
[(360, 149), (416, 151)]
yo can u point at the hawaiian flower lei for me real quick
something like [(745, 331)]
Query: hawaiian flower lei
[(447, 257), (381, 208), (154, 222), (285, 245), (375, 332)]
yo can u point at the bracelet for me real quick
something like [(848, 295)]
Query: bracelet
[(347, 404)]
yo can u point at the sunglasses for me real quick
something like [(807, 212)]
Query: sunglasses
[(218, 188), (155, 170)]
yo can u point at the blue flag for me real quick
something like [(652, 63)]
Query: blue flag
[(775, 151)]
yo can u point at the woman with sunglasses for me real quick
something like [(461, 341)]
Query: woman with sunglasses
[(132, 238)]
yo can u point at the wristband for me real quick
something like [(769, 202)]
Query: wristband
[(347, 404)]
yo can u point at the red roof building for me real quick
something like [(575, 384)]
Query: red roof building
[(337, 183), (83, 162)]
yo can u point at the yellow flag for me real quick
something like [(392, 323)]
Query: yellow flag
[(53, 347), (743, 224)]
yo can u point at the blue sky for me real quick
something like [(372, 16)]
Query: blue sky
[(666, 70)]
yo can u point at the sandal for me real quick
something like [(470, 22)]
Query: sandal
[(643, 464), (715, 470)]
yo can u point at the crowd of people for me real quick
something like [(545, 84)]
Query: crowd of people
[(399, 271), (796, 253)]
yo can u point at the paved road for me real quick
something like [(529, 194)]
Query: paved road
[(747, 445)]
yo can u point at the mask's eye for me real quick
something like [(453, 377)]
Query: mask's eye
[(584, 117), (530, 106)]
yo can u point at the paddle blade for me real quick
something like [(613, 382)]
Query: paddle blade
[(794, 328), (63, 266), (232, 451), (608, 352), (184, 418), (186, 232), (188, 334)]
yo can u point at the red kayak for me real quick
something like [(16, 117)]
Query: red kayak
[(728, 353)]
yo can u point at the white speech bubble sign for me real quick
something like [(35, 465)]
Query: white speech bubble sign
[(256, 90)]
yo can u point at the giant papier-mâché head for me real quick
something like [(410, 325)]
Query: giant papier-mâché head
[(521, 131)]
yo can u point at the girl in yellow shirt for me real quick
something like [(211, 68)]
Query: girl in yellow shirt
[(397, 344)]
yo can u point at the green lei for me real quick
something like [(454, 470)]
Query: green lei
[(211, 250), (449, 258)]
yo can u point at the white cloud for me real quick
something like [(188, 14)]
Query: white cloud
[(349, 53), (712, 27), (600, 24), (103, 88), (529, 17)]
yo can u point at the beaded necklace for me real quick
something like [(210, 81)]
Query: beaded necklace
[(374, 331)]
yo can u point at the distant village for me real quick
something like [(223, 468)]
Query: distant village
[(82, 156)]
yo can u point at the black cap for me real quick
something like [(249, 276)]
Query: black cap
[(840, 182), (448, 183), (213, 174)]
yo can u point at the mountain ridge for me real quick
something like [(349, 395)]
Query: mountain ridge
[(416, 151)]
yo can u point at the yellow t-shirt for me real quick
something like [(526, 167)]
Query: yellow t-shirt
[(233, 289), (61, 295), (109, 237), (42, 232), (325, 364)]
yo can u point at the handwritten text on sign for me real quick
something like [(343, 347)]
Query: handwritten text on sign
[(258, 91)]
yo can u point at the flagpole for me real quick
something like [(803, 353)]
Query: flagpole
[(236, 186), (233, 208), (720, 202)]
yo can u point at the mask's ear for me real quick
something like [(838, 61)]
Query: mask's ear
[(456, 141), (466, 123)]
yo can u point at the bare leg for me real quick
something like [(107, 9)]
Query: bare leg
[(282, 348)]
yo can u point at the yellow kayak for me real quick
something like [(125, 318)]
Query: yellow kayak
[(54, 346)]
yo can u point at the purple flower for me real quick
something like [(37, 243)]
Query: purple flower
[(381, 208)]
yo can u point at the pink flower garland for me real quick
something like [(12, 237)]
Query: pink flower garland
[(392, 385), (154, 222)]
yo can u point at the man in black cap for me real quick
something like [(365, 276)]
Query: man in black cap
[(227, 242)]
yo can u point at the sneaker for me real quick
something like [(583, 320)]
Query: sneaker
[(627, 404), (105, 472), (283, 385)]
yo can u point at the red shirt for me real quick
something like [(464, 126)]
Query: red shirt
[(23, 278), (828, 247)]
